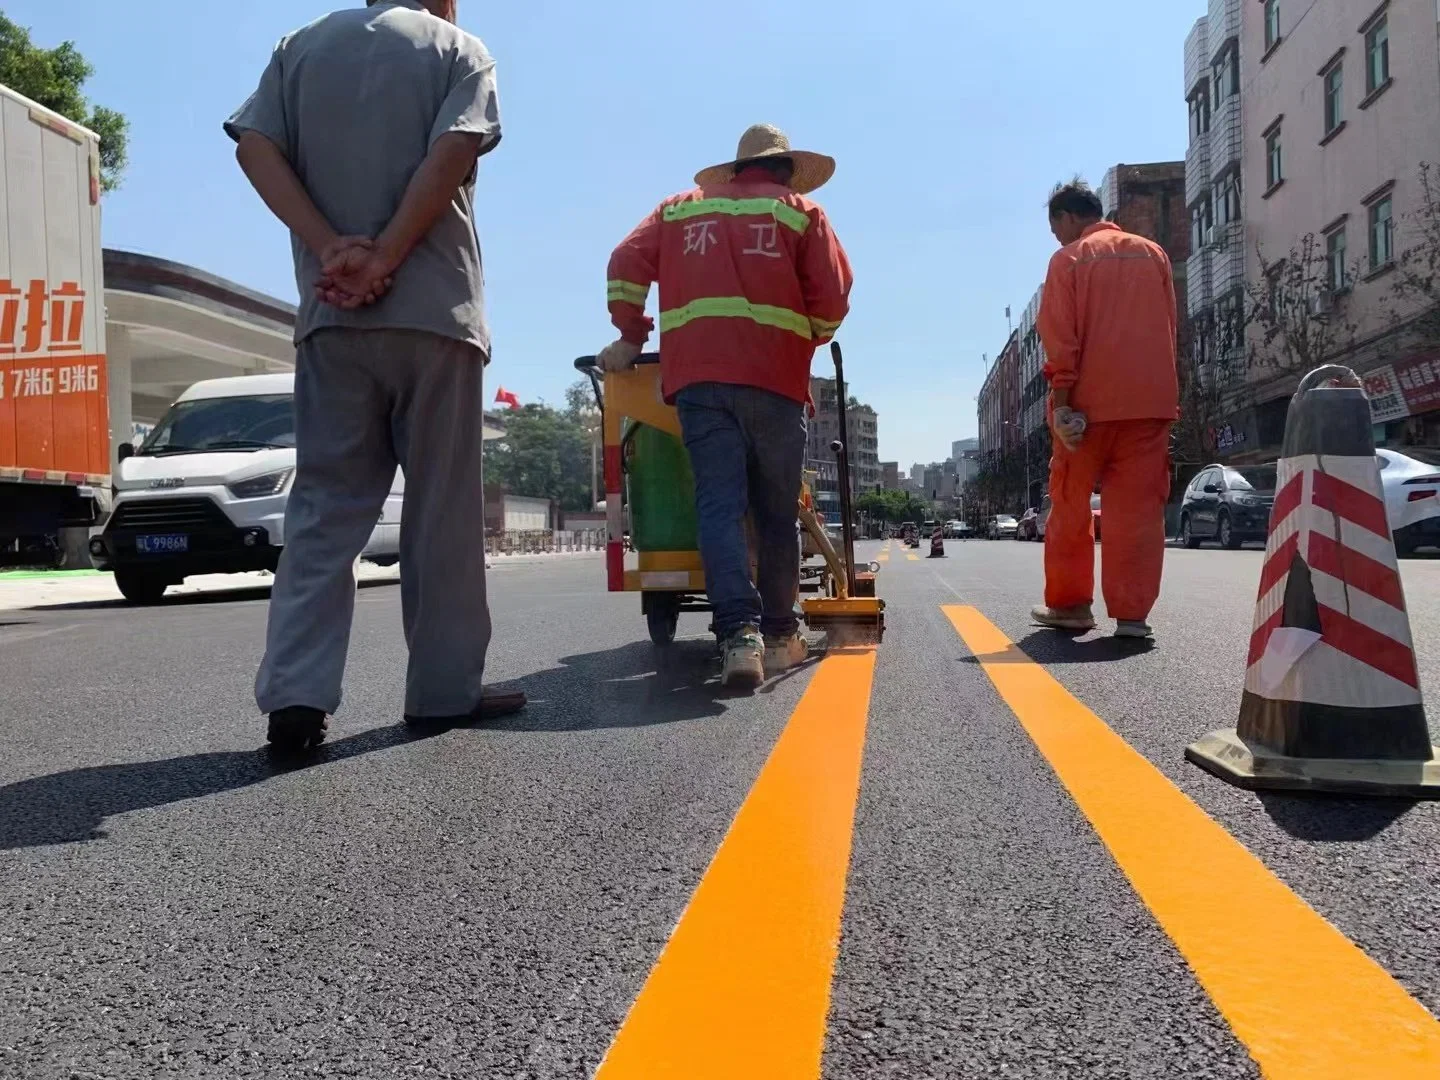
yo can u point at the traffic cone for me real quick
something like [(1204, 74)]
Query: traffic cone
[(1332, 691)]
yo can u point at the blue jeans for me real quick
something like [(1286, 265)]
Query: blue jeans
[(747, 448)]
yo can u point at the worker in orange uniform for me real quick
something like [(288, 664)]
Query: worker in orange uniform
[(1107, 321), (752, 280)]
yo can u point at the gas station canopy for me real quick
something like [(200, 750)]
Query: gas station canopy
[(168, 325)]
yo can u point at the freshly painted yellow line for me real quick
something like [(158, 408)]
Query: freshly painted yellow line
[(1305, 1001), (742, 988), (912, 556)]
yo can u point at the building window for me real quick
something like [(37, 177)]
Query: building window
[(1377, 54), (1227, 195), (1334, 97), (1200, 112), (1274, 158), (1226, 72), (1336, 275), (1202, 223), (1272, 24), (1382, 233)]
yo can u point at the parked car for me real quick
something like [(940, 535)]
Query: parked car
[(1042, 517), (1029, 528), (1228, 504), (956, 530), (1095, 513), (1001, 527), (1410, 479), (206, 492)]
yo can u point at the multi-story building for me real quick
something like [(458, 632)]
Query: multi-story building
[(1033, 393), (862, 442), (1213, 292), (959, 447), (1342, 113), (890, 475), (1002, 443)]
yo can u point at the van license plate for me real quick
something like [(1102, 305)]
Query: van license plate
[(162, 545)]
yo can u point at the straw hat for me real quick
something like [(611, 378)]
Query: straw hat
[(766, 140)]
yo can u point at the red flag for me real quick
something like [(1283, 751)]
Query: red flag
[(506, 397)]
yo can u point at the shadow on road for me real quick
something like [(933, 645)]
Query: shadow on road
[(70, 806), (1044, 646), (244, 594), (1331, 820), (635, 685)]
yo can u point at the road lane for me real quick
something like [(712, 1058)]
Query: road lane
[(1367, 866), (490, 902), (1306, 1002)]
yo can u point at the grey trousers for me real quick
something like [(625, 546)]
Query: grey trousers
[(365, 402)]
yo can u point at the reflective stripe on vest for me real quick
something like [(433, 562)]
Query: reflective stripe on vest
[(735, 307), (627, 291), (823, 328), (785, 215)]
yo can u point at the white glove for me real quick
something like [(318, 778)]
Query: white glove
[(618, 356), (1069, 426)]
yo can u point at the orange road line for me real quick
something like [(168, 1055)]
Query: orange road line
[(742, 988), (1306, 1001)]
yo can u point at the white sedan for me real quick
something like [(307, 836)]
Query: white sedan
[(1411, 481)]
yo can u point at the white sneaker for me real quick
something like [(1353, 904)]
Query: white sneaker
[(1133, 628), (744, 663), (784, 653)]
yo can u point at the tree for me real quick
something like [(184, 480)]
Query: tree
[(56, 78), (892, 506), (543, 454), (1416, 284), (1300, 321)]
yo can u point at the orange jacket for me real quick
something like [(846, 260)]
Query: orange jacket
[(751, 277), (1107, 321)]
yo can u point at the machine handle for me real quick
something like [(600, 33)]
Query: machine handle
[(587, 364)]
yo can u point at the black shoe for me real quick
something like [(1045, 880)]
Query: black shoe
[(297, 728)]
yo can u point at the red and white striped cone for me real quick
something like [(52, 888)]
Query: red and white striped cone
[(1332, 692)]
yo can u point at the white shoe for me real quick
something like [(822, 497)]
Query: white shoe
[(1133, 628), (744, 663), (784, 653)]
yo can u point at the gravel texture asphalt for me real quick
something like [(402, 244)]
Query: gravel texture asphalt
[(487, 902)]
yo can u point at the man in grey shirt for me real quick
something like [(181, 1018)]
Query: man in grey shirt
[(363, 137)]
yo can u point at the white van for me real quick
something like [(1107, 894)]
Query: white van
[(206, 491)]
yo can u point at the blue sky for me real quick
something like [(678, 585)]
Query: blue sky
[(950, 119)]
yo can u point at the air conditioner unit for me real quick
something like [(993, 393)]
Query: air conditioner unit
[(1322, 302)]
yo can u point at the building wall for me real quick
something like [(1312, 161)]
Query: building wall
[(1383, 140), (1215, 90), (890, 475), (863, 442)]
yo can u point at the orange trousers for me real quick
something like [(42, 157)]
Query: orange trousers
[(1130, 460)]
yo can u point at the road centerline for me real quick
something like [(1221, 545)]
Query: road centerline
[(1305, 1001), (742, 988)]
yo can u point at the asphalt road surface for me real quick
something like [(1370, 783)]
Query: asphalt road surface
[(1034, 882)]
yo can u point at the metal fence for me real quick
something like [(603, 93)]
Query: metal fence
[(544, 541)]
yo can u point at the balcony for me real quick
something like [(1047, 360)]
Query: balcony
[(1197, 54), (1226, 138), (1224, 22), (1197, 168), (1227, 264), (1198, 289)]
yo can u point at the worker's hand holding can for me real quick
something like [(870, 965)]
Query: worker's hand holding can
[(1068, 426)]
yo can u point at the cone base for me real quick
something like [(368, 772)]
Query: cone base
[(1225, 755)]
